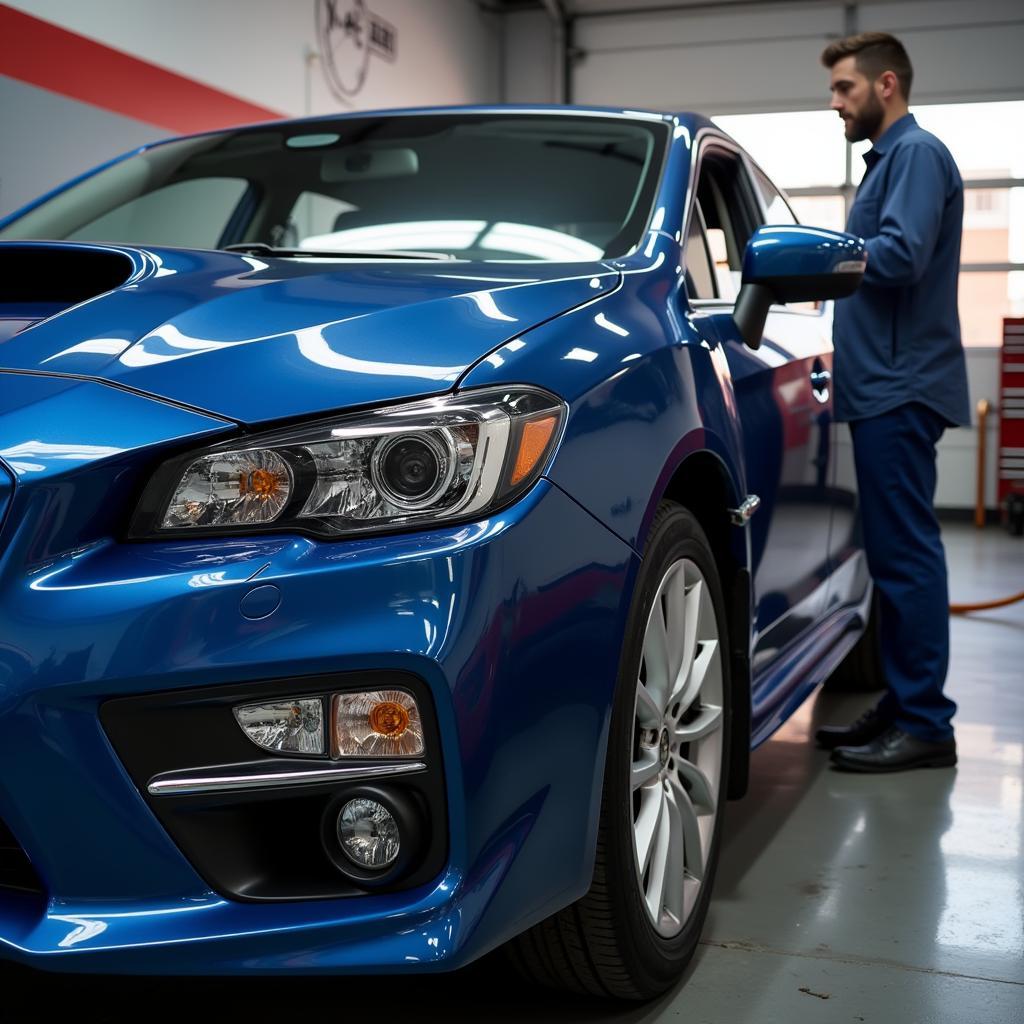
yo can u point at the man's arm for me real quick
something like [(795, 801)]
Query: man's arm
[(910, 218)]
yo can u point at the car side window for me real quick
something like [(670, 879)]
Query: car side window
[(193, 213), (723, 192), (700, 275), (777, 210)]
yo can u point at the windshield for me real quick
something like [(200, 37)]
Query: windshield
[(479, 187)]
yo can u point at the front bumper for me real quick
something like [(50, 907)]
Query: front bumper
[(514, 625)]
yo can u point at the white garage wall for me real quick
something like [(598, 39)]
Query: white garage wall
[(730, 57), (528, 60), (448, 52), (48, 139)]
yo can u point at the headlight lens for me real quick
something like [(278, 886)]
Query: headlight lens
[(452, 457), (287, 727), (236, 487)]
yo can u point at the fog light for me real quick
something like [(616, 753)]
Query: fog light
[(368, 834), (376, 723), (287, 727)]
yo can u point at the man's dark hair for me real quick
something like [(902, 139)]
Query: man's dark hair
[(875, 52)]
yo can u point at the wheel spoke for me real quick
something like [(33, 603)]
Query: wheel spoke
[(645, 827), (694, 852), (706, 624), (646, 768), (709, 718), (656, 657), (693, 630), (647, 712), (706, 658), (659, 859), (675, 881), (678, 615), (701, 792)]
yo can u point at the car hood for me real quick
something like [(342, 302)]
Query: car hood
[(260, 339)]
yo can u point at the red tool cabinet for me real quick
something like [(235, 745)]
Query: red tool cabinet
[(1011, 410)]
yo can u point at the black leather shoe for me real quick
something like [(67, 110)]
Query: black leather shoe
[(868, 727), (895, 751)]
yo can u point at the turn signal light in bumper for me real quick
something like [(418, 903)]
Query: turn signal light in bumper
[(365, 724)]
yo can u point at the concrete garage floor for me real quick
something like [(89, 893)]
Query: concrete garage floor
[(840, 898)]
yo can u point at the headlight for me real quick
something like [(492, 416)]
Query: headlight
[(447, 458)]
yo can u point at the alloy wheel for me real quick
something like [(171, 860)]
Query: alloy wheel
[(677, 746)]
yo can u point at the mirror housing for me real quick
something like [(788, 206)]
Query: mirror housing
[(792, 263), (368, 164)]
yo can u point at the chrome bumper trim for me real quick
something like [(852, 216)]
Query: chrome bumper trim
[(228, 778)]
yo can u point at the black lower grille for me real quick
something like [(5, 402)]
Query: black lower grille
[(16, 871)]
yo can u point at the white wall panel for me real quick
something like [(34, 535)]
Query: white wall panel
[(257, 49), (899, 15), (711, 79), (971, 63), (765, 56), (448, 51), (48, 139), (726, 24), (529, 58)]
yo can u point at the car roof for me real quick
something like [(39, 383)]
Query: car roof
[(687, 119)]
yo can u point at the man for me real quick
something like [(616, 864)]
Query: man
[(900, 381)]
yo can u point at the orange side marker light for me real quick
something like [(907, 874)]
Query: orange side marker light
[(532, 446)]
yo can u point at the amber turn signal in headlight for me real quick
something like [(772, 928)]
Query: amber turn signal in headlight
[(377, 723)]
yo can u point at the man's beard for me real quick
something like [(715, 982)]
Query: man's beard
[(867, 122)]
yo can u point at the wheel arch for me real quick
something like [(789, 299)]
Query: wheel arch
[(703, 484)]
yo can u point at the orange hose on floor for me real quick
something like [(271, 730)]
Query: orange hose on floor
[(963, 609)]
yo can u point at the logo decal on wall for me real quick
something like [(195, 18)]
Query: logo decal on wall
[(349, 34)]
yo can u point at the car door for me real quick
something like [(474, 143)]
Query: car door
[(783, 398)]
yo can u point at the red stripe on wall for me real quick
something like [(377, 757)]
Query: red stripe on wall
[(43, 54)]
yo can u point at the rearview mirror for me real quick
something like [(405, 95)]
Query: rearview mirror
[(792, 263), (365, 164)]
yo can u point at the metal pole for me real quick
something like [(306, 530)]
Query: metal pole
[(979, 500), (560, 64)]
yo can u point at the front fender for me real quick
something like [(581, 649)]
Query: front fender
[(647, 389)]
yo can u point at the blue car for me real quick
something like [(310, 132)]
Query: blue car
[(410, 523)]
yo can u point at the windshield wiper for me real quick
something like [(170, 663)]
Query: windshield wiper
[(262, 249)]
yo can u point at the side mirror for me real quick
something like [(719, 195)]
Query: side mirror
[(792, 263)]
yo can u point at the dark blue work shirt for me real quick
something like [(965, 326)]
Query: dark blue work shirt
[(897, 338)]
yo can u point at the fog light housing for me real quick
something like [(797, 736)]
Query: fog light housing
[(368, 834)]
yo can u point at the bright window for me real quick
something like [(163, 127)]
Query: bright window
[(804, 152)]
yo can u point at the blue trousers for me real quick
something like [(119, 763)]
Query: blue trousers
[(895, 458)]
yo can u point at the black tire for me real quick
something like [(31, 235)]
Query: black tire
[(861, 670), (605, 944)]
